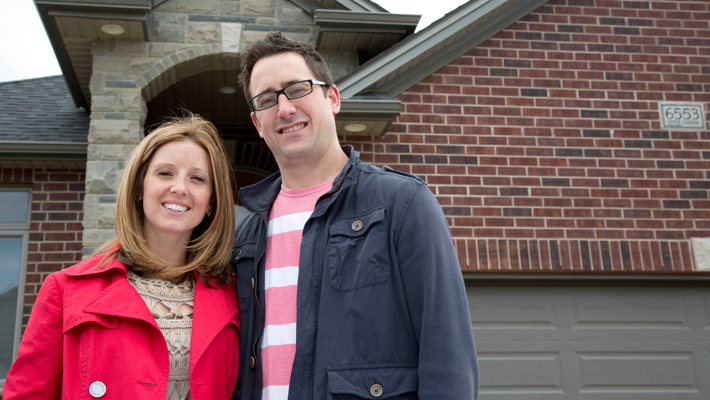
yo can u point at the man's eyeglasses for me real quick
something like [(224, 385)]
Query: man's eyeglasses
[(293, 91)]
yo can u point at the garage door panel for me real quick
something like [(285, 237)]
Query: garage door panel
[(668, 372), (592, 343), (519, 309), (630, 308), (535, 372)]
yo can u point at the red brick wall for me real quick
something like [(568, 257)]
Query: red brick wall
[(543, 144), (55, 228)]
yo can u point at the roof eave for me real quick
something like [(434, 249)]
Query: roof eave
[(376, 114), (331, 18), (361, 5), (43, 151), (130, 10), (493, 20), (308, 6)]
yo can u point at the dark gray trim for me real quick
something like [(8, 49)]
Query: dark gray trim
[(372, 21), (99, 4), (586, 278), (448, 27), (369, 110), (361, 5), (308, 6), (50, 26), (43, 151), (98, 15)]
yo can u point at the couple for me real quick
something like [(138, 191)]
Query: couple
[(342, 283)]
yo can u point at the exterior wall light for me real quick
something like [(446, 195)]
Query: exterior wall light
[(227, 90), (112, 29), (355, 127)]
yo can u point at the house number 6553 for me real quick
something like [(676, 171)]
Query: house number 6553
[(682, 115)]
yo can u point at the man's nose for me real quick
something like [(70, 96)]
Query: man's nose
[(286, 108)]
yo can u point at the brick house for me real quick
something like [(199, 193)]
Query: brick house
[(552, 133)]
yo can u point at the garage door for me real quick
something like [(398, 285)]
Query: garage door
[(599, 341)]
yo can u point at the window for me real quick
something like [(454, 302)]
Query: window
[(14, 235)]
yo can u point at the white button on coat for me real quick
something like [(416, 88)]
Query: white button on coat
[(97, 389)]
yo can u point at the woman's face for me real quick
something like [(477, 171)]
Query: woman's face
[(176, 191)]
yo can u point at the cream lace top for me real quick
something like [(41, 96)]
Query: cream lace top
[(171, 305)]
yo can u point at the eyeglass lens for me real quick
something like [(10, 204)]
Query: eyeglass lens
[(292, 91)]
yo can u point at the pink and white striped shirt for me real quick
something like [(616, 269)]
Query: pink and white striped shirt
[(289, 214)]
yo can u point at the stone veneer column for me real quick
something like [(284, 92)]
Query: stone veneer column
[(118, 112)]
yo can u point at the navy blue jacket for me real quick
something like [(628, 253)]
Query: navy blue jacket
[(381, 300)]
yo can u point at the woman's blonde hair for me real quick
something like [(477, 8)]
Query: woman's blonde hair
[(210, 245)]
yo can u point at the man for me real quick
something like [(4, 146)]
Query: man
[(349, 285)]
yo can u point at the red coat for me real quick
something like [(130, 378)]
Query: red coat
[(91, 325)]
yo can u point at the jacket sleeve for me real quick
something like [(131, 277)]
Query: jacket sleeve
[(37, 371), (436, 298)]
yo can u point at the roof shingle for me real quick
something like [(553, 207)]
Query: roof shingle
[(41, 110)]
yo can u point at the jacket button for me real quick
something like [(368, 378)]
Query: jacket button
[(252, 283), (252, 361), (376, 390), (97, 389), (357, 225)]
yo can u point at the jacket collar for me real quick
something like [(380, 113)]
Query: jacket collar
[(259, 197), (214, 307), (88, 266)]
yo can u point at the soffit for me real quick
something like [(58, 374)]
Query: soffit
[(72, 25), (367, 33)]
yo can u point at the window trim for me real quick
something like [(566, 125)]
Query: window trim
[(23, 231)]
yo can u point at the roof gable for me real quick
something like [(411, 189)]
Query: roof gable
[(432, 48)]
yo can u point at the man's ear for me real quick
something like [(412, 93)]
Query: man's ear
[(255, 121), (334, 97)]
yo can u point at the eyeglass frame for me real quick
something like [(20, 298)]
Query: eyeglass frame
[(283, 91)]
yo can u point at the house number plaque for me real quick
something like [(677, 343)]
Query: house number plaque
[(682, 115)]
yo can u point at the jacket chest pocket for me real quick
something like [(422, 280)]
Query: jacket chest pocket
[(243, 259), (359, 251), (384, 381)]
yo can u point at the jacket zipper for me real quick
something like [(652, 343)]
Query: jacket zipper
[(261, 314)]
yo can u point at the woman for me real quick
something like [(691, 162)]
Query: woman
[(156, 316)]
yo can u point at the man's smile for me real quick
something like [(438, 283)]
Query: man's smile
[(293, 128)]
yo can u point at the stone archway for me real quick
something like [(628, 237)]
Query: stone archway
[(124, 81)]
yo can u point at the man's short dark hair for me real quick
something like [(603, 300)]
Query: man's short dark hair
[(275, 43)]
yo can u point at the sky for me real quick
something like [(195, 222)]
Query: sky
[(23, 30)]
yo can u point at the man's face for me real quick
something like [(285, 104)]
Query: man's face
[(299, 130)]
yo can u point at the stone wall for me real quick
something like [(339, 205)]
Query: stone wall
[(186, 37)]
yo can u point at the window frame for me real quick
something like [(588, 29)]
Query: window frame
[(18, 230)]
